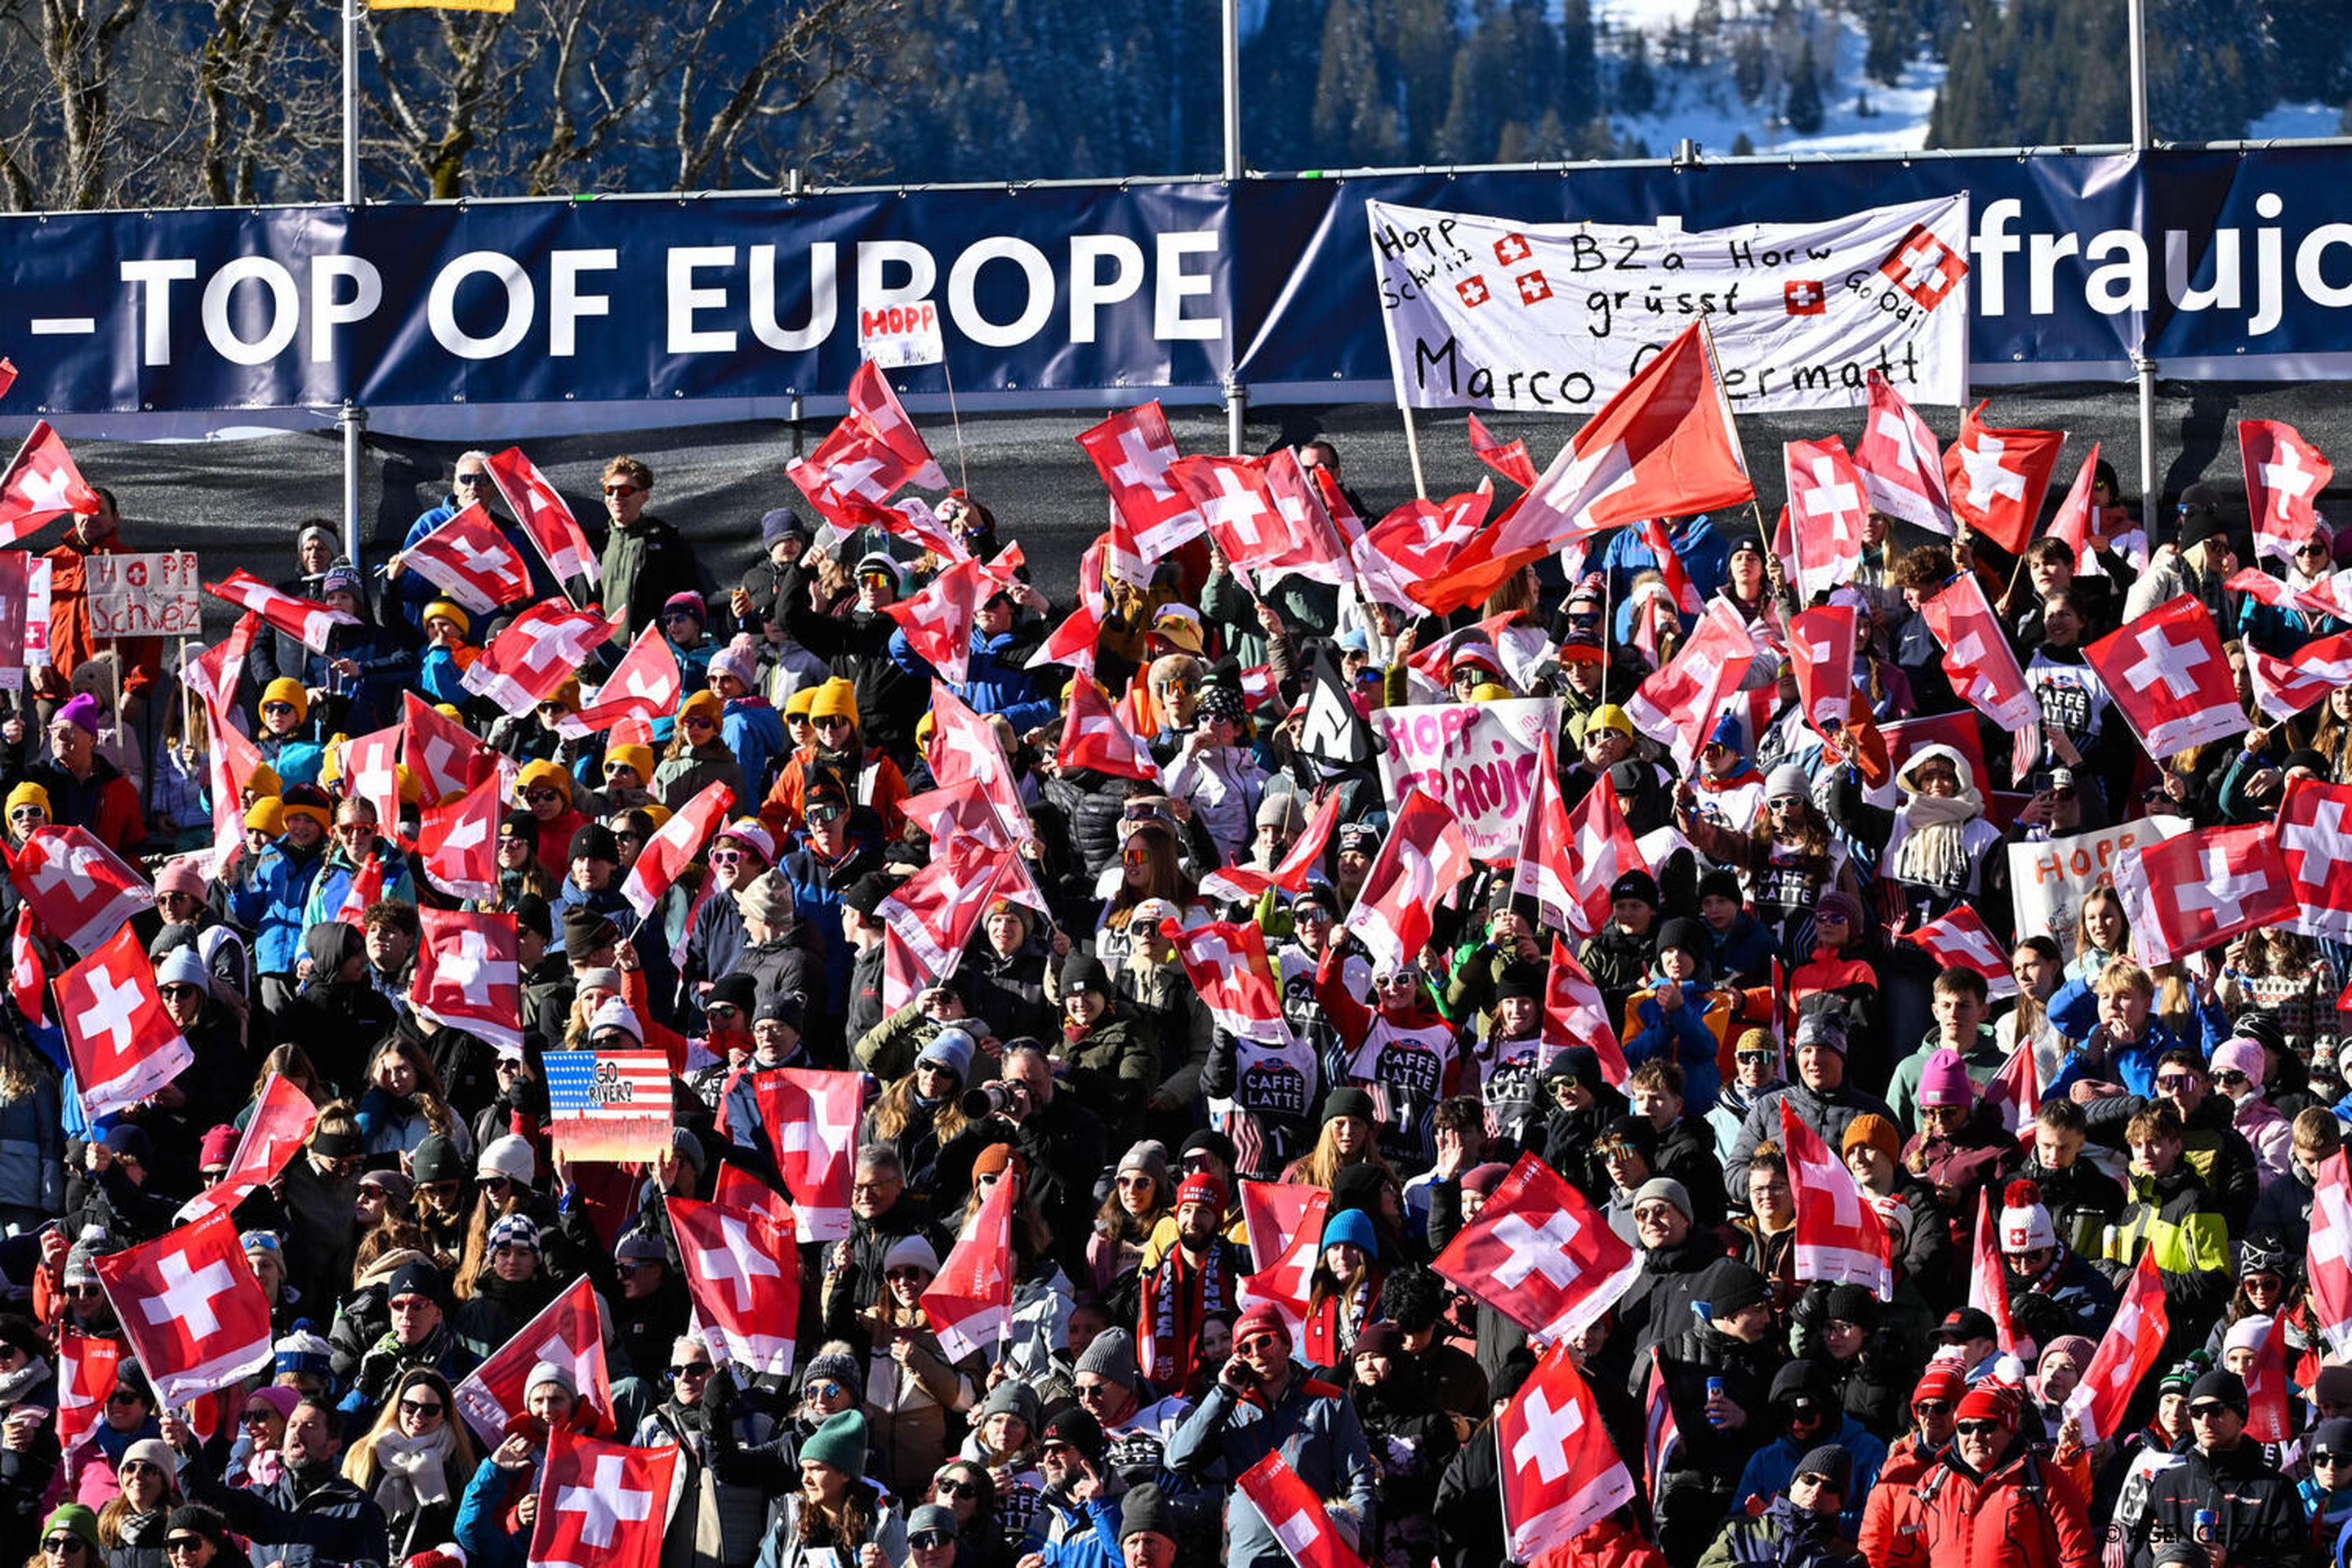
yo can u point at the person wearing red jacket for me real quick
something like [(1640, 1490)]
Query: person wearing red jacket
[(1933, 1402), (1987, 1501)]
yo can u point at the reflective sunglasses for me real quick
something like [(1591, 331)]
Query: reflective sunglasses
[(422, 1407)]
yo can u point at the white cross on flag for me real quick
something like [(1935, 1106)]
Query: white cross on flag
[(87, 1364), (568, 1331), (744, 1272), (469, 559), (2317, 845), (1575, 1015), (2285, 474), (545, 516), (1245, 884), (123, 1045), (2165, 672), (1316, 551), (540, 649), (467, 975), (42, 483), (2198, 890), (1827, 513), (874, 408), (601, 1504), (282, 1120), (2013, 1094), (2328, 1258), (1235, 501), (1988, 1277), (937, 622), (1678, 705), (192, 1310), (936, 911), (28, 982), (457, 842), (2128, 1351), (964, 749), (1283, 1223), (1541, 1255), (811, 1118), (1294, 1514), (1840, 1237), (1416, 541), (1959, 938), (1995, 478), (306, 620), (79, 889), (371, 770), (447, 758), (1559, 1472), (1133, 452), (674, 845), (1096, 739), (1420, 861), (1820, 652), (849, 477), (1550, 868), (1977, 655), (969, 1301), (1226, 962), (645, 685), (2285, 687), (2267, 1420), (1900, 461)]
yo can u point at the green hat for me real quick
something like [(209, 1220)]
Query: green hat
[(78, 1522), (840, 1442)]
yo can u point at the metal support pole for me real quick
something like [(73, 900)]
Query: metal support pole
[(2147, 493), (354, 420), (1413, 448), (1236, 416), (351, 102), (1230, 18), (2142, 141)]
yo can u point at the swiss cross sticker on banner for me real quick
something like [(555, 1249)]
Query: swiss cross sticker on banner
[(1924, 267), (1473, 290), (1804, 297)]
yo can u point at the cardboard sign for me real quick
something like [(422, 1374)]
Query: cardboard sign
[(897, 336), (2049, 881), (608, 1105), (146, 596), (1479, 758)]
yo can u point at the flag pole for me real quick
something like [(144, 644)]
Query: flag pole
[(1412, 444), (354, 419)]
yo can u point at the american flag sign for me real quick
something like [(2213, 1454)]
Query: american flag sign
[(609, 1105)]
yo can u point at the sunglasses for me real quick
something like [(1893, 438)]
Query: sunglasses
[(693, 1369), (620, 489), (908, 1273), (538, 795), (2206, 1412), (2175, 1079), (1931, 1406), (59, 1545), (697, 722), (824, 1388), (126, 1396), (824, 815), (278, 707), (2228, 1077), (931, 1541), (725, 856), (946, 1487), (495, 1183), (183, 1545), (258, 1416), (1976, 1428), (1257, 1343), (133, 1467), (422, 1407)]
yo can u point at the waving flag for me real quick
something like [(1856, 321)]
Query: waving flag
[(1559, 1472), (2198, 890), (1419, 863), (1827, 512), (2127, 1353), (306, 620), (1978, 658), (1227, 963), (674, 845), (41, 484), (1840, 1238), (598, 1502), (86, 1376), (191, 1308), (282, 1122), (2285, 474), (1958, 938), (1662, 1438), (539, 651), (811, 1118), (1283, 1221), (456, 842), (1574, 1014), (1901, 465), (1133, 452), (2285, 687), (1996, 478), (568, 1332), (123, 1046), (744, 1274), (1509, 458), (2168, 678), (545, 517), (2328, 1258), (1540, 1254), (469, 559), (1820, 652), (1094, 739), (1988, 1280), (1678, 705), (937, 622), (2072, 520), (2015, 1093), (646, 685), (1242, 884), (969, 1301), (1296, 1516)]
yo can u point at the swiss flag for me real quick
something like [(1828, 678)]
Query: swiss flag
[(850, 477), (282, 1122), (811, 1117), (1296, 1516), (1540, 1254), (1601, 845), (1996, 478), (2266, 1390), (1133, 452), (192, 1309), (540, 649), (1977, 655), (568, 1332), (1072, 643), (447, 758), (1242, 884), (1678, 704), (1827, 513), (467, 975), (1234, 497), (1227, 963), (601, 1504), (646, 686), (28, 982), (937, 622), (1662, 1436), (1900, 461), (1559, 1472), (2128, 1351), (457, 842), (2316, 843), (1509, 458), (86, 1376), (2285, 687), (1840, 1237), (2165, 672), (2328, 1258), (1575, 1015), (1960, 940), (370, 766), (935, 912), (2285, 474), (1093, 738), (1671, 573), (1416, 541), (1988, 1280), (876, 410), (1924, 267), (674, 845), (743, 1273), (214, 674), (2198, 890), (2072, 522), (1283, 1221), (123, 1045), (1420, 861), (744, 1192), (1820, 652), (365, 888), (969, 1301), (544, 516), (1316, 552), (469, 559), (42, 483), (964, 749), (306, 620), (1664, 446), (1548, 867), (2015, 1093)]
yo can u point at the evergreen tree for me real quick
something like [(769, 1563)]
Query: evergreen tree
[(1741, 147), (1637, 85), (1747, 65), (1804, 112)]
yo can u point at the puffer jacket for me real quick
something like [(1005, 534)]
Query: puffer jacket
[(679, 779), (2257, 1516), (1695, 1489), (268, 899), (722, 1508), (1092, 803), (2025, 1514), (1783, 1536), (1317, 1432), (32, 1148)]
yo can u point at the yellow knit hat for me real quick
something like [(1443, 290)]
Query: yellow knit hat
[(264, 780), (835, 698), (450, 613), (286, 689), (542, 771), (640, 758), (703, 704), (30, 793), (266, 816), (798, 704)]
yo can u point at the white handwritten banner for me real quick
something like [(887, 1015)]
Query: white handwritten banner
[(1489, 312), (1479, 758), (2048, 881)]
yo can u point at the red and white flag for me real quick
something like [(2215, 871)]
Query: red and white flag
[(1509, 458), (214, 673), (1227, 965), (1541, 1255), (370, 768), (447, 758), (936, 911), (468, 976), (1284, 1222), (1996, 478), (28, 982), (365, 888), (1294, 1515), (2328, 1257), (1678, 705), (544, 516), (1977, 655), (1316, 552), (1662, 1436), (7, 375), (568, 1332), (674, 845), (79, 889), (41, 484), (2197, 891), (1840, 1237), (2127, 1352), (2285, 687), (282, 1122), (306, 620), (1988, 1279), (2168, 678), (2285, 474), (937, 622), (469, 559), (1133, 452), (1072, 643), (1820, 652), (1575, 1015), (746, 1192), (646, 685), (1664, 446), (86, 1376), (850, 478), (1096, 739), (1242, 884), (1235, 499), (1959, 938), (1420, 861), (2267, 1420), (2072, 520), (1602, 848), (1416, 541), (123, 1045), (878, 411), (191, 1308), (2015, 1093), (1559, 1472), (1901, 462), (1670, 567), (969, 1301), (964, 749), (1827, 513), (600, 1503), (2316, 842), (541, 648), (1550, 868), (743, 1273), (811, 1118), (457, 842)]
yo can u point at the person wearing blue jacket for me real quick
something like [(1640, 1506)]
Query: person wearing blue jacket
[(357, 841), (272, 889), (752, 730), (2113, 1035), (1807, 1405), (1678, 1017), (1706, 557)]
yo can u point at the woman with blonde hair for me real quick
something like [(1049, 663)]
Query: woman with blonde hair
[(835, 1510), (131, 1525), (415, 1461), (920, 1113), (32, 1139), (910, 1384), (2102, 932), (1348, 1137)]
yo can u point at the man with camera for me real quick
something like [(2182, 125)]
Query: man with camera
[(1062, 1141)]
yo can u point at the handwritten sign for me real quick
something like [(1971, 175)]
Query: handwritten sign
[(897, 336), (1491, 312), (608, 1105), (2049, 881), (149, 595), (1479, 758)]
